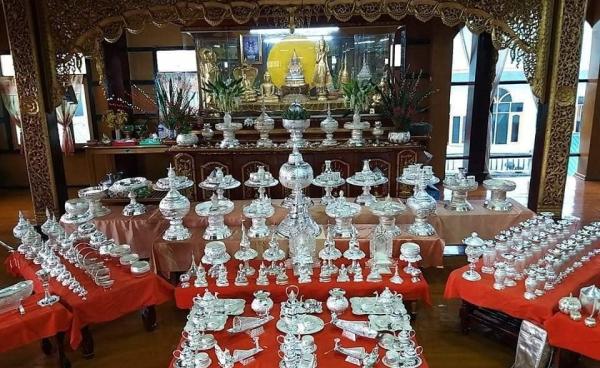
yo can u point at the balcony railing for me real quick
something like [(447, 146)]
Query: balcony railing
[(504, 164)]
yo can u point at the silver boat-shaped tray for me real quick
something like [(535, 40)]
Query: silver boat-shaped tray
[(368, 305), (11, 296), (388, 323)]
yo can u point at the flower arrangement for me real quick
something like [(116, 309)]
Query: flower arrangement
[(357, 94), (402, 98), (225, 94), (295, 112), (115, 120), (175, 106)]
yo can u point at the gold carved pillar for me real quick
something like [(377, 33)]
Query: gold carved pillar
[(24, 48), (562, 91)]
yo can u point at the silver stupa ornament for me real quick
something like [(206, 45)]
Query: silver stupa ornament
[(296, 174), (174, 207)]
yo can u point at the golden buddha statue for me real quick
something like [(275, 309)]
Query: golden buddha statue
[(247, 74), (208, 72), (295, 74), (344, 74), (322, 77), (267, 89)]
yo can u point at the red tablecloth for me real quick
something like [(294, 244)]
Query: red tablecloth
[(511, 300), (37, 323), (127, 295), (269, 358), (316, 290), (565, 333)]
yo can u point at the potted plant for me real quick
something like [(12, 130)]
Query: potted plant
[(296, 119), (226, 95), (115, 120), (177, 112), (357, 96), (402, 99)]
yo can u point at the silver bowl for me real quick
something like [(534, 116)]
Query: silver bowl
[(94, 195)]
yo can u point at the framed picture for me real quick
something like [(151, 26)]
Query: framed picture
[(251, 48)]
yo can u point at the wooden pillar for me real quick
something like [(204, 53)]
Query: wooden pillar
[(29, 48), (440, 70), (551, 151), (479, 100), (588, 167)]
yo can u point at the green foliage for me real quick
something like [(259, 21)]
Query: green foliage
[(357, 94), (175, 107), (226, 94), (402, 98), (295, 112)]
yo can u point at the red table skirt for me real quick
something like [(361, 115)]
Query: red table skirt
[(37, 323), (565, 333), (511, 300), (128, 294), (316, 290), (269, 357)]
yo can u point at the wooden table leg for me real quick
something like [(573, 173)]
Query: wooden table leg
[(46, 346), (465, 317), (149, 318), (63, 361), (87, 343)]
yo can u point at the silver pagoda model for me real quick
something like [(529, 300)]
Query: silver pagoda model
[(367, 178), (296, 174)]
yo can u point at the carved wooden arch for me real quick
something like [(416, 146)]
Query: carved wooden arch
[(521, 25), (386, 168), (185, 166)]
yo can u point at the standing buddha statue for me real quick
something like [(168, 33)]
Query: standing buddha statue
[(322, 77)]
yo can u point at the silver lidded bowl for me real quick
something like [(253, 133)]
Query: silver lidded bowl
[(329, 125), (387, 210), (460, 184), (94, 195), (121, 188), (174, 207)]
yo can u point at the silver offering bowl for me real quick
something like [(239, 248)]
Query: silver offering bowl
[(342, 212), (328, 180), (296, 129), (76, 211), (179, 182), (94, 195), (460, 185), (356, 127), (366, 179), (386, 211), (215, 210), (121, 188), (423, 205), (296, 174), (498, 188), (218, 182), (258, 211), (264, 124), (414, 173), (228, 128)]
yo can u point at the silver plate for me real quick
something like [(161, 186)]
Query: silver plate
[(402, 365), (308, 325), (367, 305), (216, 323)]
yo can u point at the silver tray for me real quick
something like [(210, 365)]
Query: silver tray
[(11, 296), (309, 325), (216, 323), (402, 365), (366, 305), (230, 307)]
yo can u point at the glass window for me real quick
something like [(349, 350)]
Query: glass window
[(456, 129), (176, 61), (6, 66), (461, 56), (514, 130)]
